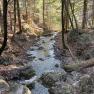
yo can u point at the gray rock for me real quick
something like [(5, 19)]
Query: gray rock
[(26, 73), (40, 48), (49, 79), (56, 65), (62, 88), (85, 85), (3, 85)]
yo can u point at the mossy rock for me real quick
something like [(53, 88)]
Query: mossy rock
[(49, 79), (86, 85), (31, 86), (27, 74)]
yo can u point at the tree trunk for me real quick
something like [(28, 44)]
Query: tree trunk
[(84, 21), (43, 15), (72, 10), (67, 11), (4, 26), (14, 17), (93, 14), (19, 17), (26, 14), (63, 23)]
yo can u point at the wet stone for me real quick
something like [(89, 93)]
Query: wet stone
[(43, 41), (51, 39), (40, 48), (41, 59), (56, 65), (27, 74), (36, 44), (31, 86), (31, 58), (31, 49), (48, 56)]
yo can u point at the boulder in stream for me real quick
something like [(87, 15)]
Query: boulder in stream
[(27, 73), (49, 79)]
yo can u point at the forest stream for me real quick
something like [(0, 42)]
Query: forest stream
[(50, 77), (44, 60)]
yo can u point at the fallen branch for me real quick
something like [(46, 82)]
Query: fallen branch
[(69, 49), (79, 66)]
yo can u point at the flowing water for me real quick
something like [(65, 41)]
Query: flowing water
[(44, 60)]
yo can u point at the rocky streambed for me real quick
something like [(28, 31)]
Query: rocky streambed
[(48, 68), (44, 63), (52, 79)]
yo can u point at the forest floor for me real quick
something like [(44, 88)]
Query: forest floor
[(80, 43), (14, 58)]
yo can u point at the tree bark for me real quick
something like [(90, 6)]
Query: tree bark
[(5, 4), (67, 12), (63, 23), (14, 17), (72, 10), (93, 13), (19, 17), (43, 15), (84, 20)]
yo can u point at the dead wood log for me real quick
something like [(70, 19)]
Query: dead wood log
[(79, 66)]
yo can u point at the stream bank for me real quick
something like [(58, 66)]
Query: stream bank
[(81, 44)]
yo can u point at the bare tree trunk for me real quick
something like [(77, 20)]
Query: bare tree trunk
[(93, 13), (26, 15), (26, 7), (63, 23), (67, 11), (72, 10), (66, 18), (4, 26), (84, 20), (14, 17), (43, 15), (19, 17)]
